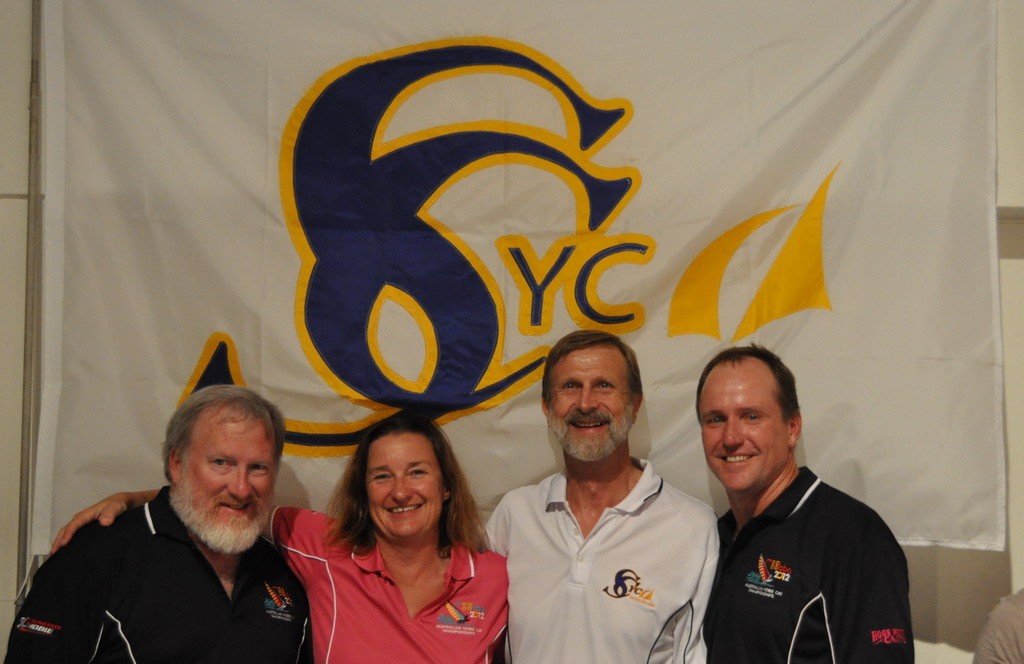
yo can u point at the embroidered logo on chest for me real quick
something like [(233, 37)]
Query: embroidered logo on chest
[(769, 575), (278, 603), (461, 617), (628, 584)]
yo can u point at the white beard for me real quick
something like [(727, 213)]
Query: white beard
[(232, 539), (589, 450)]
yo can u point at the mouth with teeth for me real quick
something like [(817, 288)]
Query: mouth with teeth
[(402, 510), (588, 421), (737, 457)]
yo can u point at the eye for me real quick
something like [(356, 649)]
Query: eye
[(418, 472), (259, 468), (378, 477)]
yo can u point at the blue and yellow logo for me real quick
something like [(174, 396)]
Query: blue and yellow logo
[(359, 202)]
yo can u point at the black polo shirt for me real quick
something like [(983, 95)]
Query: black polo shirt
[(816, 577), (140, 591)]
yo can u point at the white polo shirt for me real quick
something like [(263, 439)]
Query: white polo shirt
[(634, 590)]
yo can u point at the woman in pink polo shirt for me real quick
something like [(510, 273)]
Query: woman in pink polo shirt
[(396, 571)]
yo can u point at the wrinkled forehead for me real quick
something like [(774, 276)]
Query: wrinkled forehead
[(212, 426), (603, 359)]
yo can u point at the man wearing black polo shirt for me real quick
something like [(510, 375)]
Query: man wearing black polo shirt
[(185, 577), (806, 573)]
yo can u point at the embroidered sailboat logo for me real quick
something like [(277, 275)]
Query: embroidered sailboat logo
[(762, 569), (278, 602), (457, 616)]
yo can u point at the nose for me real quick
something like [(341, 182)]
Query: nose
[(588, 399), (731, 432), (400, 489), (240, 486)]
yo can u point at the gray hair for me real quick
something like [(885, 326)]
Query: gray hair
[(235, 403)]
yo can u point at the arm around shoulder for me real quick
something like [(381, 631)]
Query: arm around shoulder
[(105, 512)]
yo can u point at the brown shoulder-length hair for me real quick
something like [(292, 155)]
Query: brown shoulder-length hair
[(350, 503)]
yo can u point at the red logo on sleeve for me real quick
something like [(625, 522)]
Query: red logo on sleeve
[(36, 626), (888, 636)]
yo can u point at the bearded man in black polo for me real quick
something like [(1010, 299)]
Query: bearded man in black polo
[(185, 577)]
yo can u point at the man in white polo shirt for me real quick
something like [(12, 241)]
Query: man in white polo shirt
[(606, 562)]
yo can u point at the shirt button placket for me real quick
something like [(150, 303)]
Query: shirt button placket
[(581, 563)]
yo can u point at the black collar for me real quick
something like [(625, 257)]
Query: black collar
[(162, 518), (779, 510)]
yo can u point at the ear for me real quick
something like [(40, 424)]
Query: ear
[(639, 401), (544, 407), (174, 463), (796, 426)]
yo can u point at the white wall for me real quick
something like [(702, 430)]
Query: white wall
[(1011, 252), (15, 69), (951, 591)]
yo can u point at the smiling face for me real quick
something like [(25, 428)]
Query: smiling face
[(406, 490), (591, 409), (222, 486), (748, 443)]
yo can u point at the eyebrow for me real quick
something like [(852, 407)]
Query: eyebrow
[(594, 379), (418, 462)]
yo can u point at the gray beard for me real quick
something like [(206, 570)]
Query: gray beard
[(618, 433), (227, 539)]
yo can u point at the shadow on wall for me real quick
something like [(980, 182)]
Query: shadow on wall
[(952, 591), (289, 490)]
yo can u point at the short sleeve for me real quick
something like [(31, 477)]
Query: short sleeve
[(62, 617), (868, 589), (498, 527), (295, 529)]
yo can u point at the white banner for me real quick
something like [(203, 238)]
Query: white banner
[(360, 207)]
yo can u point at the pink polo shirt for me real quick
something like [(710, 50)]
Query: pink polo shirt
[(357, 611)]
